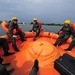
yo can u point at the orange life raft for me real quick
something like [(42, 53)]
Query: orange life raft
[(41, 49)]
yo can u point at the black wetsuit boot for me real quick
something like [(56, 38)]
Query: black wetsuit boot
[(35, 68)]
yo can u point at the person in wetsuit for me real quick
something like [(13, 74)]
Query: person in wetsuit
[(67, 31), (14, 29), (36, 28)]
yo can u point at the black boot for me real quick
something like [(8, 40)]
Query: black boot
[(24, 40), (17, 50), (67, 49), (34, 39), (7, 54), (36, 65), (55, 44)]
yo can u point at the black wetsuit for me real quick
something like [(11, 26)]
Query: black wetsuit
[(35, 68), (3, 70), (36, 28), (67, 31), (10, 34), (4, 45)]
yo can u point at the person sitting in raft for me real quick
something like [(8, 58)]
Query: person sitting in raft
[(4, 45), (13, 29), (41, 28), (36, 28), (67, 30)]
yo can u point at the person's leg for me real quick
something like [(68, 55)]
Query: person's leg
[(4, 45), (64, 39), (13, 42), (35, 68), (5, 65), (20, 33), (37, 34), (3, 70), (71, 45), (58, 39)]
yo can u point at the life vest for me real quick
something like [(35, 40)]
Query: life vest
[(5, 26), (41, 28)]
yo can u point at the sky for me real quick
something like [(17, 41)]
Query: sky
[(48, 11)]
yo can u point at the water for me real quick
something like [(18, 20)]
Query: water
[(28, 27)]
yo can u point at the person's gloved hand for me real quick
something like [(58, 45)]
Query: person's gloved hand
[(60, 32), (14, 31), (14, 36)]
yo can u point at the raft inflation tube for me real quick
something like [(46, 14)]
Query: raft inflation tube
[(73, 25), (5, 26)]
